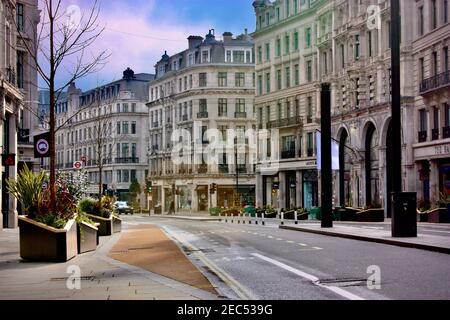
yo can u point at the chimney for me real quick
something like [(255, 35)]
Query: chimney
[(194, 41), (227, 36)]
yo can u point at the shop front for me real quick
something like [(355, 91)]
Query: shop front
[(310, 189)]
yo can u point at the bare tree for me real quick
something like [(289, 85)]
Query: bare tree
[(61, 47)]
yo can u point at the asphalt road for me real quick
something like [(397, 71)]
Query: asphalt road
[(264, 262)]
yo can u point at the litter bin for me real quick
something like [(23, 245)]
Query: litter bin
[(404, 215), (316, 213), (158, 209)]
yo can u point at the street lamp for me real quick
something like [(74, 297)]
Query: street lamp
[(237, 198)]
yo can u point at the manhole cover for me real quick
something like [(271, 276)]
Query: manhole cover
[(342, 282)]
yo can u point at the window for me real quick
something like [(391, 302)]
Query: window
[(259, 54), (203, 106), (118, 107), (133, 150), (423, 120), (125, 107), (295, 6), (308, 37), (125, 127), (268, 82), (435, 63), (190, 81), (222, 79), (133, 175), (125, 176), (447, 114), (223, 106), (118, 127), (202, 80), (260, 84), (288, 13), (20, 74), (433, 14), (297, 74), (309, 110), (342, 56), (309, 71), (280, 111), (325, 63), (240, 105), (445, 13), (133, 127), (388, 24), (288, 143), (267, 51), (296, 40), (288, 77), (279, 84), (357, 46), (369, 39), (20, 17), (287, 48), (310, 144), (238, 56), (267, 18), (278, 14), (278, 47), (119, 176), (125, 150), (421, 69), (240, 79), (445, 57), (205, 56)]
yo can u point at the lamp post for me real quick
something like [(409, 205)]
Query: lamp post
[(237, 200)]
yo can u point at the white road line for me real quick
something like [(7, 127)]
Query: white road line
[(302, 244), (279, 239), (290, 241), (433, 230), (318, 248), (314, 279), (270, 237)]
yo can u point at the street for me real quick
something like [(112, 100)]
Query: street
[(263, 262)]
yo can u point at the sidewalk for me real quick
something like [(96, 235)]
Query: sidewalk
[(102, 278), (194, 216), (370, 232)]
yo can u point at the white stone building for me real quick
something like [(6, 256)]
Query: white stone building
[(106, 128), (209, 86)]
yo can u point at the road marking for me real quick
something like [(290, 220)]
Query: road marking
[(318, 248), (270, 237), (290, 241), (302, 244), (314, 279), (279, 239), (432, 230)]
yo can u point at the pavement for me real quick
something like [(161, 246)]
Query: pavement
[(102, 277)]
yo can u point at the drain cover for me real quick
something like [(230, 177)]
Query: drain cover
[(343, 282)]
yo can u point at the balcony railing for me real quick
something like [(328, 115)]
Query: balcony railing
[(241, 168), (435, 82), (422, 136), (223, 168), (127, 160), (240, 114), (287, 122), (203, 169), (202, 115), (288, 154), (185, 117), (446, 132), (435, 134), (11, 75)]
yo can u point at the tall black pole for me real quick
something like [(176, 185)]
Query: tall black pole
[(238, 198), (326, 174), (396, 99), (404, 204)]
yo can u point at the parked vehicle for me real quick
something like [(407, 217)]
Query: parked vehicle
[(122, 207)]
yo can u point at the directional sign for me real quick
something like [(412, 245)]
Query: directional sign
[(77, 165)]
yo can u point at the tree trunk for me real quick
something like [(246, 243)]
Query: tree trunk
[(52, 115)]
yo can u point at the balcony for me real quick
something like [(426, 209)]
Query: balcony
[(127, 160), (11, 76), (155, 124), (202, 169), (223, 168), (446, 132), (422, 136), (435, 134), (284, 123), (238, 115), (436, 82), (107, 161), (288, 154), (185, 117), (202, 115), (323, 39)]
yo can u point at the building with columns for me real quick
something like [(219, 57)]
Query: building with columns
[(17, 81), (201, 98), (431, 147), (287, 100)]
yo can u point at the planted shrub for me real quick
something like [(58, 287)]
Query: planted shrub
[(87, 205)]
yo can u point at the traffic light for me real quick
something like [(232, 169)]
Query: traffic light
[(105, 189), (213, 188), (149, 186)]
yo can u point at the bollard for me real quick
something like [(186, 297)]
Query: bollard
[(282, 217), (239, 218), (250, 219), (243, 218), (226, 217), (295, 217), (256, 218), (263, 216)]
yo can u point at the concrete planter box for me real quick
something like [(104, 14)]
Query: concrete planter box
[(105, 227), (371, 215), (117, 224), (87, 237), (42, 243), (350, 214), (439, 215)]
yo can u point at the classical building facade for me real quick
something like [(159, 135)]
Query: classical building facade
[(105, 129), (431, 148), (17, 84), (287, 98), (199, 96)]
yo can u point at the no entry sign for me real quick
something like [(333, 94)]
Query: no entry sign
[(77, 165)]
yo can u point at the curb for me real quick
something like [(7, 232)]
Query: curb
[(371, 239), (189, 218)]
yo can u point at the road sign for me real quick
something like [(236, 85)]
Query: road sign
[(42, 145), (8, 160), (84, 158), (77, 165), (44, 185)]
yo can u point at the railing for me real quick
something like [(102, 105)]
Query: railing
[(288, 154), (127, 160), (446, 132), (11, 75), (223, 168), (155, 124), (202, 115), (435, 82), (203, 168), (240, 114), (422, 136), (287, 122), (185, 117), (242, 168), (435, 134)]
